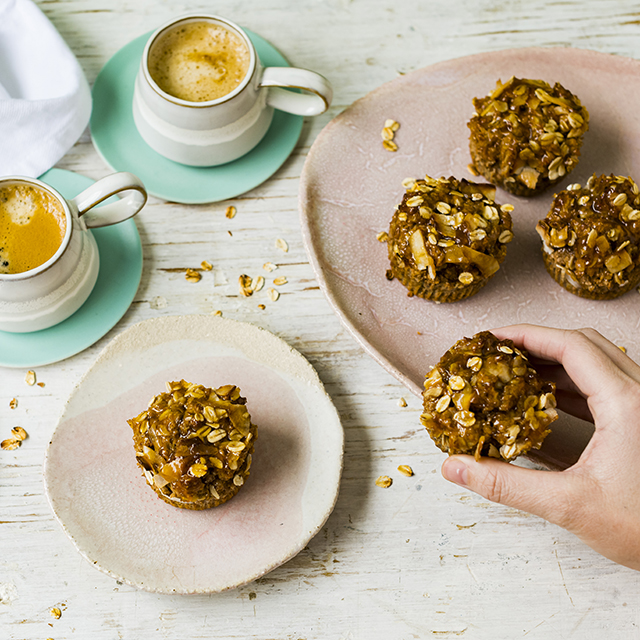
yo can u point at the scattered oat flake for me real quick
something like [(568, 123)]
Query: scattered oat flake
[(282, 245), (387, 134), (9, 444), (402, 402), (207, 266), (383, 236), (466, 526), (391, 124), (218, 313), (41, 385), (19, 433), (230, 212), (192, 275), (280, 281), (55, 612), (623, 349), (30, 378), (245, 283), (262, 307), (13, 403), (231, 234), (258, 283), (269, 266), (273, 294), (472, 170), (384, 481), (405, 470), (389, 145)]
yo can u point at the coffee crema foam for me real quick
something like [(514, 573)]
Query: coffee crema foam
[(32, 227), (199, 61)]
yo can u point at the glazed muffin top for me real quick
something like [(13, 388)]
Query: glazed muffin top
[(594, 231), (195, 443), (485, 398), (448, 228), (526, 135)]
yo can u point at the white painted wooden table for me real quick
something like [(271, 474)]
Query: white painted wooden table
[(421, 559)]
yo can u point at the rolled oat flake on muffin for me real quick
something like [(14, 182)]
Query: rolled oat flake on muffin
[(591, 237), (526, 135), (447, 238), (485, 399), (195, 444)]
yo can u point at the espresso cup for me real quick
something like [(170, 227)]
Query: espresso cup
[(49, 259), (202, 98)]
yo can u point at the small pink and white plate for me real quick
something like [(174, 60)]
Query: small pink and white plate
[(116, 521)]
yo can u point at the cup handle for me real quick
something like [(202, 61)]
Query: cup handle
[(279, 79), (114, 212)]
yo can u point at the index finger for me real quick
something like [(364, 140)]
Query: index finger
[(617, 354), (592, 370)]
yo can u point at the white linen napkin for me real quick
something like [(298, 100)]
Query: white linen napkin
[(45, 101)]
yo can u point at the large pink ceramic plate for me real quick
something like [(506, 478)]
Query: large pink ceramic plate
[(119, 525), (350, 185)]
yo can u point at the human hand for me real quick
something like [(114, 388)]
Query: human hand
[(598, 498)]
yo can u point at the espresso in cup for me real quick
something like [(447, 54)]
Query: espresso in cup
[(203, 98), (50, 259), (199, 61), (32, 227)]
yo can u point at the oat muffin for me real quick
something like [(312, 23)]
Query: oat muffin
[(591, 237), (195, 444), (526, 135), (485, 399), (447, 238)]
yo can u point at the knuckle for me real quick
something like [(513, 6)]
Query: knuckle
[(580, 337), (494, 487), (591, 334)]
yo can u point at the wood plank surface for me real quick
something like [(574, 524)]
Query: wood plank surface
[(421, 559)]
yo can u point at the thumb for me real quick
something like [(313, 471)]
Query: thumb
[(547, 494)]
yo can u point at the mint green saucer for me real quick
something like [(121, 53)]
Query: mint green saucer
[(120, 272), (117, 140)]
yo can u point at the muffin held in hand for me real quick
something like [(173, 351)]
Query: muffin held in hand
[(484, 398), (447, 238), (195, 444), (526, 135), (591, 237)]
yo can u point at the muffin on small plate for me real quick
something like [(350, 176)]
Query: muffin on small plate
[(591, 237), (484, 398), (526, 135), (195, 444), (447, 238)]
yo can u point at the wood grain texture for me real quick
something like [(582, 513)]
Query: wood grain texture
[(421, 559)]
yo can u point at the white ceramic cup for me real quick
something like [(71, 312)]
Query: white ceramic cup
[(44, 296), (218, 131)]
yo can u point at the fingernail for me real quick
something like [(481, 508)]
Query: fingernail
[(454, 470)]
